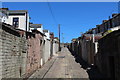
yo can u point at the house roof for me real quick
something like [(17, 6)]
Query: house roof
[(90, 36), (112, 34), (36, 31), (35, 25), (51, 33), (56, 38), (13, 12), (3, 11), (17, 11), (45, 30), (9, 28), (74, 39)]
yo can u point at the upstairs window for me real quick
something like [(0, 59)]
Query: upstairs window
[(16, 22)]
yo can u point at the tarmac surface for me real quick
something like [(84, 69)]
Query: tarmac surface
[(61, 66)]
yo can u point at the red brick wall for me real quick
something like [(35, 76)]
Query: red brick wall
[(34, 53)]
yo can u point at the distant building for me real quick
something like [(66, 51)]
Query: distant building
[(19, 19), (112, 24), (47, 33), (38, 27), (55, 45), (3, 15), (52, 35), (56, 39)]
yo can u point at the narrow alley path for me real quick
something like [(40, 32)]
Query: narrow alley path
[(61, 66)]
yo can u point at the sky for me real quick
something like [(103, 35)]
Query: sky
[(74, 17)]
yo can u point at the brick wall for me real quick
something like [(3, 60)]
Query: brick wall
[(22, 53), (108, 56), (12, 53), (85, 50), (34, 54), (0, 52)]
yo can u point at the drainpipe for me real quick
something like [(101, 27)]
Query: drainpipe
[(93, 38), (26, 24)]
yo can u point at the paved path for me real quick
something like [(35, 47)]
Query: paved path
[(61, 66)]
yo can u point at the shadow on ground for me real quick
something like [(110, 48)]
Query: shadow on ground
[(93, 72)]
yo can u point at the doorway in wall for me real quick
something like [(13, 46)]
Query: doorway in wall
[(112, 67)]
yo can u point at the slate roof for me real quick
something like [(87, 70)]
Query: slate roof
[(35, 25), (17, 11), (45, 30)]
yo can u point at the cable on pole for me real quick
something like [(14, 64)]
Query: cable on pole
[(51, 12)]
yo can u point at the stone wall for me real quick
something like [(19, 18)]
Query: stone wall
[(13, 51), (22, 53), (34, 52), (108, 56)]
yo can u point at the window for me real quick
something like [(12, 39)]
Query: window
[(4, 21), (16, 22)]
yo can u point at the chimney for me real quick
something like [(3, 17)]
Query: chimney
[(104, 21), (109, 17), (115, 14), (52, 35), (97, 25), (30, 23), (4, 9)]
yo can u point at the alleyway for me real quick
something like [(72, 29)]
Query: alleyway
[(61, 66)]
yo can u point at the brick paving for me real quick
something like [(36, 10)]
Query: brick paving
[(61, 66)]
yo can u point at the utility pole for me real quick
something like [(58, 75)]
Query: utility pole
[(59, 36)]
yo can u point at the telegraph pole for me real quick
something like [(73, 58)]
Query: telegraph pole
[(59, 36)]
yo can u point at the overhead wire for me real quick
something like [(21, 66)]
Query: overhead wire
[(49, 6)]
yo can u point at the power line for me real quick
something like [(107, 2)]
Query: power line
[(52, 12), (115, 10)]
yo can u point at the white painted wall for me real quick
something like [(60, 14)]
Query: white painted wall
[(55, 47), (22, 21), (28, 20), (39, 29), (114, 28), (31, 29), (46, 54), (96, 47), (47, 34)]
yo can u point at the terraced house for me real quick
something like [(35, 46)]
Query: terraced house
[(100, 47), (24, 47)]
